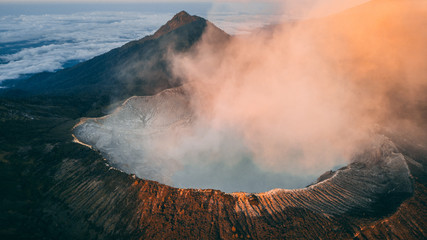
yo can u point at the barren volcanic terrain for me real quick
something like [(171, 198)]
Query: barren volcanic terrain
[(95, 151)]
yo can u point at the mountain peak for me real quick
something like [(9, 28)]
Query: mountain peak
[(182, 14), (180, 19)]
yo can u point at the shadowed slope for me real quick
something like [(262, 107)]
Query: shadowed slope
[(138, 68)]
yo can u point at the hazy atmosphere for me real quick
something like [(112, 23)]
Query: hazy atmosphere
[(281, 106), (302, 100)]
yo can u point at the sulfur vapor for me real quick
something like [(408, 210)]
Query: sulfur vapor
[(306, 96), (278, 107)]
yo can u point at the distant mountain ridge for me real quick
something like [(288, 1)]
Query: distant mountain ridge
[(139, 67)]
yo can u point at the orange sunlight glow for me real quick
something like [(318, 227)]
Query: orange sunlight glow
[(306, 96)]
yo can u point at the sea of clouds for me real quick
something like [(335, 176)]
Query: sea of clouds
[(50, 38), (37, 43)]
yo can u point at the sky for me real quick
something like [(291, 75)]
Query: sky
[(93, 1), (106, 1), (300, 2)]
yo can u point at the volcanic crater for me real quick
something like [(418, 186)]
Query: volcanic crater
[(379, 194), (370, 196)]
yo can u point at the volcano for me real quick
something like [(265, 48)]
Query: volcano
[(62, 179)]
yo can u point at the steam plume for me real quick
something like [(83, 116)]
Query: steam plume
[(276, 108), (307, 96)]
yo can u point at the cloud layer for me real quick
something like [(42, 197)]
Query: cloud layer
[(35, 43)]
